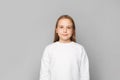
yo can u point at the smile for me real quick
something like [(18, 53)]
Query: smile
[(64, 34)]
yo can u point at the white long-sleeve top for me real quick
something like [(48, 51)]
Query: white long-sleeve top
[(64, 61)]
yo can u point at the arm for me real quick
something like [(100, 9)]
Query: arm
[(84, 66), (44, 70)]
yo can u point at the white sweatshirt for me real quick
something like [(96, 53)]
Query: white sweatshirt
[(64, 61)]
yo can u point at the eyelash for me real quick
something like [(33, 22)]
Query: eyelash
[(61, 26), (67, 27)]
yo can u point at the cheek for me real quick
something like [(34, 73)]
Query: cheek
[(70, 31), (59, 31)]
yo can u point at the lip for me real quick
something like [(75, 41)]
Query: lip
[(64, 34)]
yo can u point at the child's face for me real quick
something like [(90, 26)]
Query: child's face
[(64, 30)]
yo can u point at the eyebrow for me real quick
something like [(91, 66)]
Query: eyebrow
[(67, 25)]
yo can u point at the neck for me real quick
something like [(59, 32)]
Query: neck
[(65, 41)]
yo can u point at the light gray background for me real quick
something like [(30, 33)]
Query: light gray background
[(27, 26)]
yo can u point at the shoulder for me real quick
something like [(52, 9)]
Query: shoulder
[(78, 45), (81, 49), (50, 45)]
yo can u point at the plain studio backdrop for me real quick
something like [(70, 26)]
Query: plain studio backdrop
[(27, 26)]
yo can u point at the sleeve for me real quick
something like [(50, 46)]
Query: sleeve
[(84, 66), (44, 68)]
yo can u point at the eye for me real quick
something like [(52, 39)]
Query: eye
[(69, 27), (61, 27)]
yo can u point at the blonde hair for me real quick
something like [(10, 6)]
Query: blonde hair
[(73, 37)]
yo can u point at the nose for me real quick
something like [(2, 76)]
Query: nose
[(64, 30)]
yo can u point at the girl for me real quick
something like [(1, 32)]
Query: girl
[(64, 59)]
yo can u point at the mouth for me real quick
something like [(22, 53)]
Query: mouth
[(64, 34)]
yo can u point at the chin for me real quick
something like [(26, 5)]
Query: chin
[(65, 39)]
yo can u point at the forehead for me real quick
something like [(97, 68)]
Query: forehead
[(65, 21)]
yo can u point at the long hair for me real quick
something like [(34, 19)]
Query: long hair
[(73, 37)]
